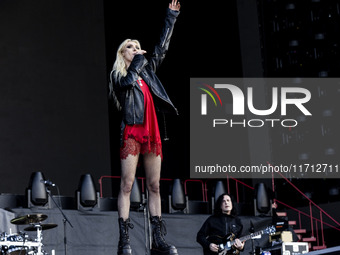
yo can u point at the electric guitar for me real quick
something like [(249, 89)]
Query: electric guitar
[(226, 242)]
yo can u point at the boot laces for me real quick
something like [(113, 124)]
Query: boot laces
[(159, 238), (128, 225), (162, 227), (125, 234)]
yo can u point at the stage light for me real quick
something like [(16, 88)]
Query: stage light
[(290, 7), (177, 200), (262, 202), (319, 36), (36, 192), (323, 74), (303, 156), (301, 118), (293, 43), (87, 195), (333, 191), (329, 151), (327, 113), (219, 190), (135, 196), (308, 194)]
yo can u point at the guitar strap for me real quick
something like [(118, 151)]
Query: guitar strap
[(226, 226), (230, 225)]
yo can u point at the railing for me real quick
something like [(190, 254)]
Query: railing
[(236, 184), (313, 220), (204, 191), (316, 220), (310, 215), (100, 181), (204, 185), (228, 187)]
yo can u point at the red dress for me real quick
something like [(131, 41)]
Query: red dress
[(144, 138)]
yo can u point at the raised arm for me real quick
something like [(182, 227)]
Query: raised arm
[(163, 45)]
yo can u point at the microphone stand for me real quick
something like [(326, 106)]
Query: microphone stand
[(252, 230), (147, 228), (65, 219)]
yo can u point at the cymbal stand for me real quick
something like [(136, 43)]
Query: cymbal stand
[(39, 238)]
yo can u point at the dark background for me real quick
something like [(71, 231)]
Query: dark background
[(55, 57), (54, 114)]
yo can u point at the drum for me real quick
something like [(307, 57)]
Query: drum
[(17, 251), (13, 244)]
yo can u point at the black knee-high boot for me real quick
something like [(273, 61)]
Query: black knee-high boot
[(124, 247), (159, 246)]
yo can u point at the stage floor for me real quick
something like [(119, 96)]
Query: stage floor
[(96, 232)]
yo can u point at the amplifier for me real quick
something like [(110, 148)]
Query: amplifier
[(294, 248)]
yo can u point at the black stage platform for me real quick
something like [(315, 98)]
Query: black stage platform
[(96, 232)]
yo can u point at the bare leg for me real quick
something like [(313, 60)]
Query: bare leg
[(152, 165), (128, 172)]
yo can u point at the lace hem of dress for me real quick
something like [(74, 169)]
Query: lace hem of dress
[(133, 147)]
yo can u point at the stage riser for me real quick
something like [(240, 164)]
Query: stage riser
[(96, 232)]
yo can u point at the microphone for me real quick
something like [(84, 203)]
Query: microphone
[(48, 183)]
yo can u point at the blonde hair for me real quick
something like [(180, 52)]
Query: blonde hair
[(119, 66)]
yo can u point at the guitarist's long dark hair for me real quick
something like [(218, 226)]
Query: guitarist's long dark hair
[(218, 210)]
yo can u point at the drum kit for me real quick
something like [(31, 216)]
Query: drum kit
[(21, 244)]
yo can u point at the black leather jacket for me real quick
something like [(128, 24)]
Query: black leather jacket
[(129, 93)]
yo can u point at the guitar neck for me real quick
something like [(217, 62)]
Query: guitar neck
[(245, 238)]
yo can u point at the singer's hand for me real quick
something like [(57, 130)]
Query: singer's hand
[(175, 6), (140, 52)]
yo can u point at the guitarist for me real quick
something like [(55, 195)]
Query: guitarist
[(223, 222)]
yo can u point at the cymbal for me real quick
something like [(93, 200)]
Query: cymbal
[(29, 219), (42, 226)]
